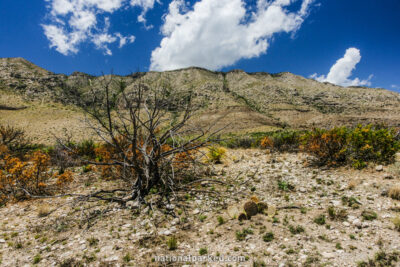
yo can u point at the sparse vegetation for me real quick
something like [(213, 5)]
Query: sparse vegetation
[(241, 235), (92, 241), (285, 140), (203, 251), (394, 192), (37, 259), (216, 154), (172, 243), (320, 220), (296, 229), (43, 210), (337, 214), (396, 222), (285, 186), (369, 215), (381, 258), (268, 237)]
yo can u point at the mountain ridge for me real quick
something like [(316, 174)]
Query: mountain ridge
[(250, 101)]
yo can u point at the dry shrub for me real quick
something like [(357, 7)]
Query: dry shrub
[(62, 158), (396, 222), (12, 137), (64, 178), (394, 192), (352, 184), (109, 155), (43, 210)]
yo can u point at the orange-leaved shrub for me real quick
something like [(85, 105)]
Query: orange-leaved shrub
[(328, 146), (267, 142), (30, 175)]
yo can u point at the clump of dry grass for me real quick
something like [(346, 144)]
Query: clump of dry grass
[(396, 222), (43, 210), (394, 192), (352, 184)]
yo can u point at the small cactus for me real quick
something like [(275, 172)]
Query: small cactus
[(250, 208), (262, 207), (242, 216)]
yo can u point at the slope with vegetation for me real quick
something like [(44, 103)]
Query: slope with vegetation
[(254, 101)]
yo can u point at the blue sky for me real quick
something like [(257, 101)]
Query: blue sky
[(344, 42)]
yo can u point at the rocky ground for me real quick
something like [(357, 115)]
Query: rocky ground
[(295, 230)]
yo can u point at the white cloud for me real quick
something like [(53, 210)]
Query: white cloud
[(123, 40), (214, 34), (65, 43), (76, 21), (146, 5), (341, 71), (102, 40)]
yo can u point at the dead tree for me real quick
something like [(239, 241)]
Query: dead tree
[(144, 128)]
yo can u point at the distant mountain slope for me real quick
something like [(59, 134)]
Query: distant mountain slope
[(248, 101)]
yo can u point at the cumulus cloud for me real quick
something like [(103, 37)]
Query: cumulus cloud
[(341, 71), (73, 22), (214, 34)]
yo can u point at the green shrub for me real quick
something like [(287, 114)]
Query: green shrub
[(37, 259), (381, 258), (203, 251), (220, 220), (296, 230), (172, 243), (241, 235), (334, 214), (355, 147), (127, 257), (268, 237), (216, 154), (369, 215), (240, 142), (285, 186), (284, 140), (92, 241), (86, 149), (320, 220)]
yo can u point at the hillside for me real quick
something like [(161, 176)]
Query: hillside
[(254, 101)]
